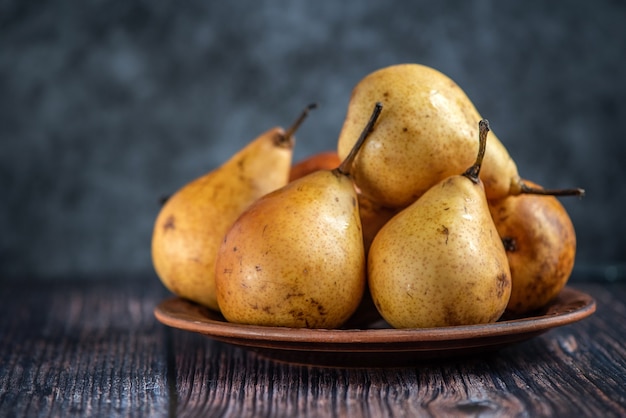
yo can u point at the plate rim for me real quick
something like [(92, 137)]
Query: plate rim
[(234, 333)]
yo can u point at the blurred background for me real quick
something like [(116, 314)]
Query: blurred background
[(105, 107)]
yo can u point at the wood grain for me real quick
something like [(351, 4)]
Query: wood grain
[(94, 349), (575, 370), (81, 349)]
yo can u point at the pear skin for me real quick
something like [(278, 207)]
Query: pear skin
[(427, 134), (373, 217), (540, 243), (192, 223), (325, 160), (440, 261), (295, 257)]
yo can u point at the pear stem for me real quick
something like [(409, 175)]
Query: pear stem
[(473, 172), (526, 189), (293, 128), (346, 165)]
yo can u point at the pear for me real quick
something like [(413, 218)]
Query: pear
[(325, 160), (373, 216), (540, 243), (440, 261), (425, 137), (295, 257), (192, 222)]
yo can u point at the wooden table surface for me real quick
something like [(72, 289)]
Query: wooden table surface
[(94, 348)]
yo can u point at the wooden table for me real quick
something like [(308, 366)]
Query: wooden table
[(93, 348)]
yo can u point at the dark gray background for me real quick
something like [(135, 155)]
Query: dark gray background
[(107, 106)]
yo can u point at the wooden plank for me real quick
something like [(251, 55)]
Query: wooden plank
[(85, 348), (577, 370), (82, 348)]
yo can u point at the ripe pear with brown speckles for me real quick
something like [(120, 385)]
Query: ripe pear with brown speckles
[(295, 257), (191, 224), (426, 136), (540, 243), (440, 261), (373, 215)]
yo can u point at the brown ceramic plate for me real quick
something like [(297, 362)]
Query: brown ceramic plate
[(370, 341)]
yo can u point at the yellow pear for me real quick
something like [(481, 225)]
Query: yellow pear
[(540, 244), (426, 136), (373, 215), (295, 257), (440, 261), (191, 224)]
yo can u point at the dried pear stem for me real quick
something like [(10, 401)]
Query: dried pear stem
[(346, 165), (286, 138), (473, 172), (526, 189)]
